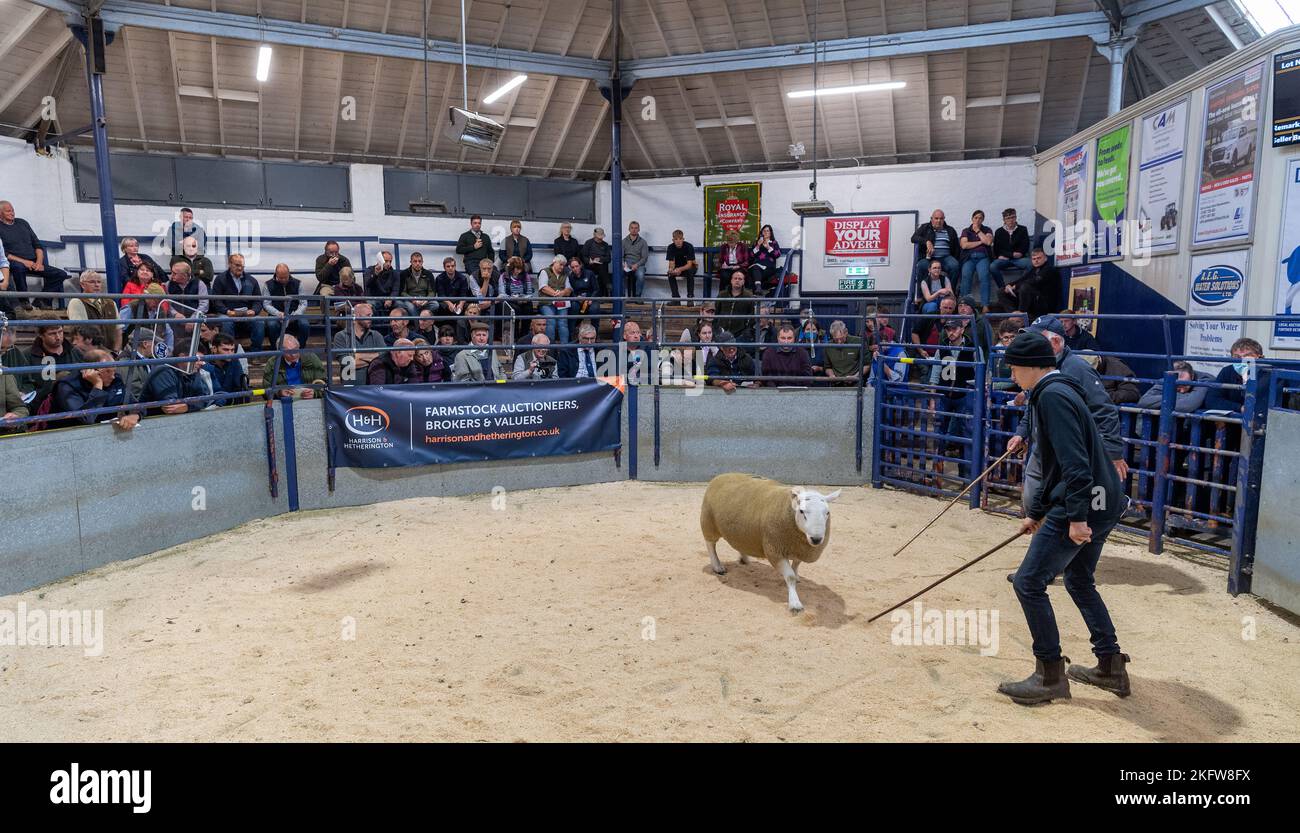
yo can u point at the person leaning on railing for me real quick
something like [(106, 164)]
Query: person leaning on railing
[(729, 365), (843, 356), (1123, 390), (1246, 351), (394, 367), (785, 361), (86, 390), (305, 373), (1189, 398), (479, 363)]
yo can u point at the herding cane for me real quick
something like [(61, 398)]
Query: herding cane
[(970, 563), (953, 502)]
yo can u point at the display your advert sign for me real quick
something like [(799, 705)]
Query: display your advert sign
[(857, 240)]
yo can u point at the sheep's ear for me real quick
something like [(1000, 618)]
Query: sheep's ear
[(831, 496), (796, 494)]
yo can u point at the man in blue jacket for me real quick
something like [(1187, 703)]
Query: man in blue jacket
[(1079, 503)]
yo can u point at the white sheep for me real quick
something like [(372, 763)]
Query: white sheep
[(788, 525)]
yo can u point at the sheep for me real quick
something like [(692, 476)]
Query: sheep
[(787, 525)]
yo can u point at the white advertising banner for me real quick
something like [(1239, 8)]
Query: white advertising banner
[(1071, 237), (1286, 302), (1162, 160)]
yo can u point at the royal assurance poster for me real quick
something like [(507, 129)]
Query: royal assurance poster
[(732, 207), (1286, 333), (1161, 164), (1110, 194), (1229, 148), (1072, 182)]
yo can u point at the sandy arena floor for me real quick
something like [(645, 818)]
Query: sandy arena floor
[(536, 632)]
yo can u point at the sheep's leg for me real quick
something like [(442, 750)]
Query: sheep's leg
[(794, 565), (790, 578), (713, 558)]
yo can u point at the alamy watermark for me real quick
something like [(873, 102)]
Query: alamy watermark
[(56, 628), (935, 626)]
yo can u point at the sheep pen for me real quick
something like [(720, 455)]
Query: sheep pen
[(591, 613)]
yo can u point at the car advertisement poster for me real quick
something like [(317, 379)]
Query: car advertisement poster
[(1229, 145), (1161, 165)]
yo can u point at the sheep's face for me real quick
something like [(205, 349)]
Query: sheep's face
[(812, 513)]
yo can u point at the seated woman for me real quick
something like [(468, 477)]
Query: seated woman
[(428, 366), (515, 291), (736, 310), (732, 256), (139, 282), (765, 262)]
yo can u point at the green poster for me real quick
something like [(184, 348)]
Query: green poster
[(1110, 194), (731, 207)]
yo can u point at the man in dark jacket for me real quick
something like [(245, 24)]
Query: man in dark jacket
[(474, 245), (936, 240), (1245, 351), (729, 366), (383, 282), (328, 265), (1070, 516), (1038, 291), (1122, 388), (1010, 247), (87, 390), (235, 281), (1076, 337), (168, 383)]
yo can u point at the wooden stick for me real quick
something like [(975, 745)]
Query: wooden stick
[(953, 502), (970, 563)]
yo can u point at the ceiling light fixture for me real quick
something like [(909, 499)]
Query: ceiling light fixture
[(505, 88), (856, 88)]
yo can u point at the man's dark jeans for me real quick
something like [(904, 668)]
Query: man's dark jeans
[(52, 279), (1050, 553)]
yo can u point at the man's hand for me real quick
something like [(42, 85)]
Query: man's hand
[(1016, 444), (9, 416), (93, 377), (1121, 468), (1019, 400), (1080, 532), (1028, 526), (729, 387), (308, 393), (175, 408), (126, 422), (929, 248)]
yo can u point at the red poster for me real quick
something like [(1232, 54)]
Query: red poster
[(862, 240), (733, 213)]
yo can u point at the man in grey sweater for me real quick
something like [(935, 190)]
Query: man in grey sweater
[(636, 253)]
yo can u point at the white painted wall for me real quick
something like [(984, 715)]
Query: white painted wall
[(42, 190), (1171, 274)]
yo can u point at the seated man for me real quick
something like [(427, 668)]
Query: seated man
[(249, 322), (536, 327), (285, 312), (328, 265), (301, 374), (227, 371), (636, 253), (383, 281), (785, 361), (12, 404), (736, 309), (843, 356), (936, 240), (1189, 398), (398, 326), (681, 264), (168, 383), (554, 292), (190, 298), (1076, 337), (26, 255), (452, 290), (49, 348), (537, 363), (636, 352), (87, 390), (136, 376), (729, 366), (478, 363), (97, 309), (1010, 247), (417, 285), (200, 266), (1038, 291), (395, 367), (357, 345), (183, 227), (1246, 351)]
